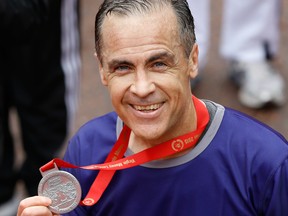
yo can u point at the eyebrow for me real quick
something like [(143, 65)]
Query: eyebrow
[(161, 55)]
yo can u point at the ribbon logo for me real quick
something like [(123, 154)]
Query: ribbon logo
[(177, 145), (89, 201)]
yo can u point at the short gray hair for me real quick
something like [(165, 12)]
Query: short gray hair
[(126, 7)]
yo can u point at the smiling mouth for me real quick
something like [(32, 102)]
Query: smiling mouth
[(148, 108)]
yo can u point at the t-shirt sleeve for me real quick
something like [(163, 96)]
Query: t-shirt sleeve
[(275, 201)]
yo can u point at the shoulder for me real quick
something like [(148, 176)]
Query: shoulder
[(243, 126), (93, 140), (249, 141), (239, 125), (246, 140)]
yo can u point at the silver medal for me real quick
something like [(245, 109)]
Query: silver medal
[(62, 188)]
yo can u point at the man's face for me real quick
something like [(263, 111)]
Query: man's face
[(147, 74)]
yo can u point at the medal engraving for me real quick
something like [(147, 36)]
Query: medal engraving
[(62, 188)]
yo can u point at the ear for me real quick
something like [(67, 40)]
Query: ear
[(101, 71), (193, 61)]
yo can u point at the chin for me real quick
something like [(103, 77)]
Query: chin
[(148, 133)]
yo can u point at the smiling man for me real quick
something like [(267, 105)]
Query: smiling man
[(163, 151)]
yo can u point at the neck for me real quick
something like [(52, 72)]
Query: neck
[(137, 145)]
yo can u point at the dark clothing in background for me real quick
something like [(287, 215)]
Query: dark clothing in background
[(33, 82)]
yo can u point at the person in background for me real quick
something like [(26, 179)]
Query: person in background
[(170, 153), (250, 42), (39, 73)]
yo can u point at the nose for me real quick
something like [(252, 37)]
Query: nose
[(142, 85)]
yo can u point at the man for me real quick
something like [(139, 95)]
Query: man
[(147, 55)]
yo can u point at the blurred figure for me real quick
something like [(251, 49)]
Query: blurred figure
[(40, 64), (249, 40)]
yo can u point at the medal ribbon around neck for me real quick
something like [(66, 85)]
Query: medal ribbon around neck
[(116, 160)]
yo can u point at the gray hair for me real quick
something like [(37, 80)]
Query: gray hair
[(128, 7)]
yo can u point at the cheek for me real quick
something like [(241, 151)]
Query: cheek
[(114, 91), (117, 88), (175, 81)]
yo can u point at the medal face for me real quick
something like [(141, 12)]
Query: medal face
[(62, 188)]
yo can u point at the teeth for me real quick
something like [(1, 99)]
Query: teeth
[(147, 108)]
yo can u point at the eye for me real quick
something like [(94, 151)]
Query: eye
[(159, 66), (122, 69)]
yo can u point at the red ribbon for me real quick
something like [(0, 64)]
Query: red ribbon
[(115, 160)]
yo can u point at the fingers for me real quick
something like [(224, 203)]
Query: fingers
[(34, 206)]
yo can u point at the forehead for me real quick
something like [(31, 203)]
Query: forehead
[(140, 32)]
